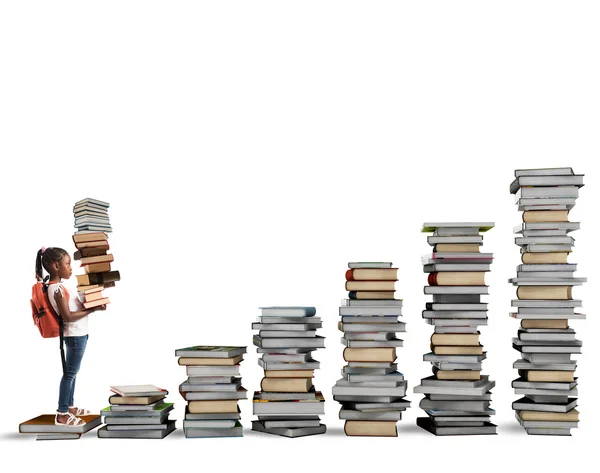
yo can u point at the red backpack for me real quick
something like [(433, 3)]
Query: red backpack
[(45, 317)]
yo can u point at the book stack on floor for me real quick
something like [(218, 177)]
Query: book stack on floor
[(457, 396), (544, 301), (212, 390), (371, 390), (137, 412), (46, 429), (91, 240), (288, 404)]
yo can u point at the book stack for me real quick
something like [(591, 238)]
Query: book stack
[(212, 390), (288, 404), (91, 240), (46, 429), (137, 412), (371, 390), (544, 301), (457, 396)]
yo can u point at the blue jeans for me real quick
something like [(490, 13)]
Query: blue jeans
[(75, 348)]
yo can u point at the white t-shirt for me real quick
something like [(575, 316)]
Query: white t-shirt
[(71, 329)]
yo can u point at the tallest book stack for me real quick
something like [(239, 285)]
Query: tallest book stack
[(91, 240), (545, 302)]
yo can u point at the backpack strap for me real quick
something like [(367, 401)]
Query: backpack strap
[(61, 324)]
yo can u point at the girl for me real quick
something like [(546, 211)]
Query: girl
[(57, 263)]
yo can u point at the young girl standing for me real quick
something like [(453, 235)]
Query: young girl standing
[(57, 263)]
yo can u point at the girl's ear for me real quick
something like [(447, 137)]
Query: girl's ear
[(55, 265)]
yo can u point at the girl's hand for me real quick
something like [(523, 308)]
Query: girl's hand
[(100, 307)]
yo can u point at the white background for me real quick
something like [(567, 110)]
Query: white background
[(249, 150)]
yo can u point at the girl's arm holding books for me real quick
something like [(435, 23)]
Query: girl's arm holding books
[(66, 313)]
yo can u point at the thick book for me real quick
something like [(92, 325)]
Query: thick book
[(372, 274), (370, 428), (454, 278), (286, 385), (236, 431), (370, 354)]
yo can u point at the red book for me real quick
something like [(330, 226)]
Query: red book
[(432, 279)]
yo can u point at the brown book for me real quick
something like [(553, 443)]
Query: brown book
[(90, 289), (192, 361), (45, 424), (93, 295), (96, 303), (534, 216), (454, 350), (457, 248), (459, 339), (286, 385), (457, 375), (370, 354), (289, 373), (136, 400), (370, 285), (213, 407), (101, 244), (563, 293), (458, 278), (372, 274), (98, 278), (96, 268), (373, 295), (545, 258), (85, 237), (571, 416), (548, 376), (107, 258), (87, 252), (370, 428), (544, 323)]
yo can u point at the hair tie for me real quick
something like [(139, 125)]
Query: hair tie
[(43, 249)]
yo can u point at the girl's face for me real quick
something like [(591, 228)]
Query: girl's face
[(63, 268)]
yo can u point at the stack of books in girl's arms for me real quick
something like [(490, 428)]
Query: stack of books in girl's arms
[(544, 301), (288, 404), (91, 241), (457, 395), (372, 390), (137, 411), (212, 389)]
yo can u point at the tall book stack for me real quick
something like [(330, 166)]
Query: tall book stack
[(91, 240), (212, 390), (544, 301), (137, 412), (457, 396), (371, 390), (288, 404)]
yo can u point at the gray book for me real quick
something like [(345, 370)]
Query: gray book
[(546, 192), (288, 320), (547, 281), (211, 380), (433, 381), (275, 396), (286, 327), (393, 377), (455, 289), (159, 411), (283, 334), (563, 432), (546, 336), (367, 319), (209, 424), (288, 311), (525, 365), (213, 415), (434, 306), (546, 181), (213, 370), (286, 351), (452, 314), (526, 404), (371, 344), (457, 322), (477, 391), (547, 316), (236, 431), (466, 414), (347, 398), (371, 311), (349, 414), (523, 383), (541, 248), (548, 399), (439, 267), (112, 420), (533, 233), (279, 366), (456, 366), (454, 405), (393, 382), (428, 424), (536, 303), (210, 351), (548, 392), (400, 405), (566, 226), (457, 258), (456, 329), (446, 419), (371, 364), (429, 227), (543, 358), (134, 407), (65, 436), (545, 274), (547, 310), (312, 342), (121, 427), (564, 171), (435, 240), (373, 336), (454, 358), (369, 264), (441, 423), (284, 422), (341, 389), (104, 433), (289, 432), (370, 371), (455, 397), (229, 387), (374, 327), (286, 357), (372, 303), (214, 396), (282, 408), (457, 298)]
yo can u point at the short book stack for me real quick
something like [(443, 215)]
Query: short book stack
[(371, 390), (544, 303), (46, 429), (137, 412), (457, 396), (288, 404), (91, 240), (212, 390)]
